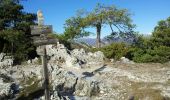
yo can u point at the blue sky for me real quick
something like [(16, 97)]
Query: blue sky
[(145, 13)]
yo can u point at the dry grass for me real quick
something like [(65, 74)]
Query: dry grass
[(143, 91)]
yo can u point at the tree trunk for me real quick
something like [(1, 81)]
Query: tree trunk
[(98, 42), (111, 27), (12, 49)]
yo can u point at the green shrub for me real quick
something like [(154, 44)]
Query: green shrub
[(133, 52), (143, 58), (115, 50), (159, 54)]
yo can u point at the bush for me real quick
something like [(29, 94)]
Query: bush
[(133, 51), (115, 50), (159, 54), (143, 58)]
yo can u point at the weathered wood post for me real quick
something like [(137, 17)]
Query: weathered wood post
[(46, 78), (40, 38), (44, 58)]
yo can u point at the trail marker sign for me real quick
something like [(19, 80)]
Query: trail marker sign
[(40, 38), (44, 29), (40, 35)]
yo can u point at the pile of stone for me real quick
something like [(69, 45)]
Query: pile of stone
[(63, 81), (74, 58)]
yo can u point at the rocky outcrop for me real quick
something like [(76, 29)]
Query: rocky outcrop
[(8, 88), (4, 89), (78, 75), (75, 58), (19, 80), (68, 83), (88, 57), (86, 88), (5, 61)]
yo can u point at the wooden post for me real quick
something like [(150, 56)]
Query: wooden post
[(46, 77), (40, 38), (44, 59)]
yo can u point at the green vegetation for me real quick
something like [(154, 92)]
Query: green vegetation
[(157, 54), (101, 15), (75, 28), (154, 48), (15, 33), (115, 50), (15, 30)]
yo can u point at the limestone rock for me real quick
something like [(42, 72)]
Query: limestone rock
[(8, 90), (35, 60), (57, 53), (86, 88), (2, 56), (5, 61), (112, 60), (4, 88), (72, 62), (80, 54), (88, 57), (126, 60), (74, 58), (29, 62), (63, 81)]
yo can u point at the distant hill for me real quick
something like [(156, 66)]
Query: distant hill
[(105, 41), (88, 41)]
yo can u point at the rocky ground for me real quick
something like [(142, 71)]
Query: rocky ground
[(77, 75)]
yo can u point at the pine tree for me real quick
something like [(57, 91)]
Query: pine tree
[(15, 30)]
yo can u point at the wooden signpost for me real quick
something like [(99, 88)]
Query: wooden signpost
[(40, 38), (40, 35)]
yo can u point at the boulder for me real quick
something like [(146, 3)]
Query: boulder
[(68, 83), (80, 54), (64, 82), (57, 53), (4, 88), (86, 88), (33, 61), (29, 62), (72, 62), (5, 61), (112, 60), (8, 90), (2, 56), (88, 57), (98, 56), (74, 58), (126, 60)]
